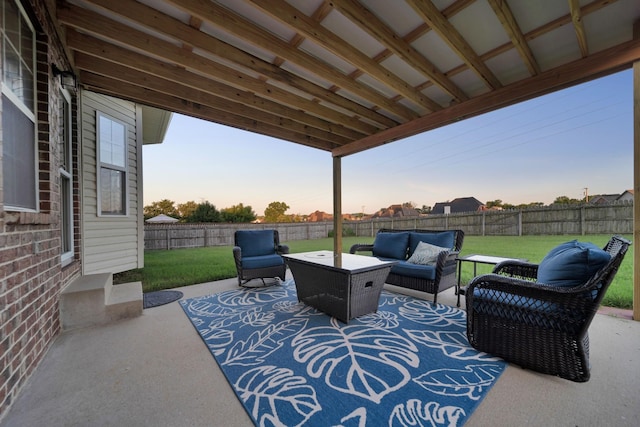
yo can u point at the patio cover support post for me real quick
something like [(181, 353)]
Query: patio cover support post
[(337, 210), (636, 186)]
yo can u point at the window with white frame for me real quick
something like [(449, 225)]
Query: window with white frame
[(112, 165), (66, 177), (18, 108)]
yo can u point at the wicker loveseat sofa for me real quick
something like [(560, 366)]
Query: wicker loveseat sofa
[(431, 273), (537, 315)]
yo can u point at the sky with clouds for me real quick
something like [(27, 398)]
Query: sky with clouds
[(556, 145)]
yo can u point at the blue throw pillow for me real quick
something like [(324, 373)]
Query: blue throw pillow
[(255, 242), (445, 239), (391, 245), (571, 264)]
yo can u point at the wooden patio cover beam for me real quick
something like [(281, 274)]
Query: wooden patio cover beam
[(290, 16), (93, 23), (123, 90), (594, 66), (91, 55), (361, 16), (247, 31)]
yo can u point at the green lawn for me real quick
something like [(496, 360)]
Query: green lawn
[(182, 267)]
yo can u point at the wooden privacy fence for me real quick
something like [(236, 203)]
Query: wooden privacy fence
[(176, 235), (554, 220)]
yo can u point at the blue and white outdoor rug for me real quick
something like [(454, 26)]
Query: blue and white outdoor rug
[(409, 364)]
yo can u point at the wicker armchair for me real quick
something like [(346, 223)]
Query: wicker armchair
[(535, 325), (257, 254)]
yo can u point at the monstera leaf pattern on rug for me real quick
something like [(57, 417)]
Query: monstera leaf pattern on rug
[(470, 381), (408, 364), (262, 343), (270, 391), (454, 344), (418, 413), (359, 360)]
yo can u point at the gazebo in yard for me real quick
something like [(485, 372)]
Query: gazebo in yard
[(162, 219), (80, 77)]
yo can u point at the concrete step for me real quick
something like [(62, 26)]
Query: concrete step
[(125, 301), (93, 300)]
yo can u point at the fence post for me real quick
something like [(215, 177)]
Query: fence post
[(520, 222), (582, 222), (484, 218), (168, 239)]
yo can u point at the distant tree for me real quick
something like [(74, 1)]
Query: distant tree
[(425, 209), (564, 200), (186, 209), (204, 212), (534, 205), (296, 218), (408, 205), (164, 206), (275, 212), (494, 203), (238, 213)]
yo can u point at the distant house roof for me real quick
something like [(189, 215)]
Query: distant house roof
[(598, 199), (162, 218), (396, 211), (461, 204), (627, 195), (319, 216)]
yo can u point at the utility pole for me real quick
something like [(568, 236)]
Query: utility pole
[(586, 194)]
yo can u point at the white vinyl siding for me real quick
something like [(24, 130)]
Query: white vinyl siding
[(110, 242)]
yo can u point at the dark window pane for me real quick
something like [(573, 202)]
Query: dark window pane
[(112, 191), (19, 161), (67, 226), (18, 61)]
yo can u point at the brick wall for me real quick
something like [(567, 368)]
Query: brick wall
[(31, 274)]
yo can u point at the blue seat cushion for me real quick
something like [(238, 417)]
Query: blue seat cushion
[(262, 261), (255, 242), (445, 239), (404, 268), (507, 299), (571, 264), (391, 245), (522, 309)]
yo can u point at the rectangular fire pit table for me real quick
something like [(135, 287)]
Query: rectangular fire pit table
[(345, 288)]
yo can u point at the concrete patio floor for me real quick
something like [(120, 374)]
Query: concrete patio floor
[(155, 370)]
